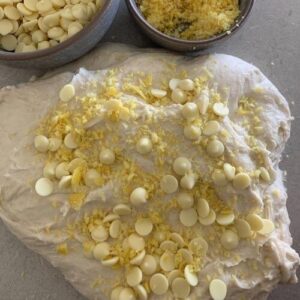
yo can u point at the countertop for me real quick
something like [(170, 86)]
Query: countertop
[(270, 40)]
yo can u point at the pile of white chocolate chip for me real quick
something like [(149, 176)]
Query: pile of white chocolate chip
[(30, 25)]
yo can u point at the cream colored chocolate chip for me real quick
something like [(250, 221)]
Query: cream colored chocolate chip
[(65, 182), (190, 276), (49, 170), (41, 143), (202, 208), (44, 187), (209, 220), (203, 101), (79, 11), (190, 111), (134, 276), (107, 156), (211, 128), (149, 265), (101, 251), (127, 294), (215, 148), (192, 132), (143, 226), (115, 293), (61, 170), (109, 262), (169, 184), (67, 92), (219, 178), (181, 165), (11, 12), (138, 259), (197, 245), (167, 261), (243, 228), (220, 109), (159, 284), (157, 93), (217, 289), (115, 229), (23, 10), (173, 275), (30, 25), (75, 163), (99, 234), (1, 13), (144, 145), (138, 196), (110, 218), (141, 292), (268, 227), (178, 96), (178, 239), (43, 6), (58, 3), (54, 144), (188, 181), (168, 245), (74, 27), (52, 20), (229, 239), (225, 218), (136, 242), (255, 221), (229, 171), (9, 42), (186, 255), (185, 200), (180, 288), (188, 217), (264, 174), (42, 26), (70, 141), (66, 13), (122, 209), (173, 83), (31, 4), (186, 85), (91, 178), (241, 181)]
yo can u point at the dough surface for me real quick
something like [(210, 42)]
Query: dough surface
[(41, 224)]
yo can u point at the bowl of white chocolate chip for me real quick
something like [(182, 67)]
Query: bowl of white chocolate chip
[(49, 33)]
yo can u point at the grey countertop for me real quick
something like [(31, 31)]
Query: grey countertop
[(269, 40)]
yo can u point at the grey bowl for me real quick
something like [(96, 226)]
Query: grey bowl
[(187, 45), (69, 50)]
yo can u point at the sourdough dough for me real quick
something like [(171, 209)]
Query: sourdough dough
[(41, 225)]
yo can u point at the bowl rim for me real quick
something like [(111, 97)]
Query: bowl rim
[(12, 56), (237, 24)]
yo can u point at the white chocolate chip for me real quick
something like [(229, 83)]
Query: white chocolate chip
[(11, 12), (61, 170), (209, 220), (217, 289), (211, 128), (149, 265), (92, 178), (264, 174), (197, 245), (180, 288), (138, 196), (101, 251), (178, 96), (202, 208), (99, 234), (50, 21), (122, 209), (44, 187), (115, 229), (141, 292), (67, 93), (186, 84), (219, 178), (188, 181), (225, 218), (190, 111), (157, 93), (203, 101), (229, 171), (75, 163), (229, 240), (159, 284), (110, 218), (215, 148), (173, 83), (173, 275), (115, 293), (169, 246), (6, 26), (9, 42), (181, 165), (188, 217), (192, 132), (127, 294), (255, 221), (190, 276), (65, 182), (136, 242), (143, 226), (268, 227), (74, 27), (107, 156), (70, 141), (109, 262), (178, 239), (167, 261), (243, 228), (43, 6), (138, 259), (41, 143), (241, 181), (144, 145), (185, 200), (186, 255), (169, 184), (54, 144), (220, 109), (134, 276), (49, 170)]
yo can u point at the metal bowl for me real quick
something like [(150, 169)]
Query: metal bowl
[(69, 50), (187, 45)]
